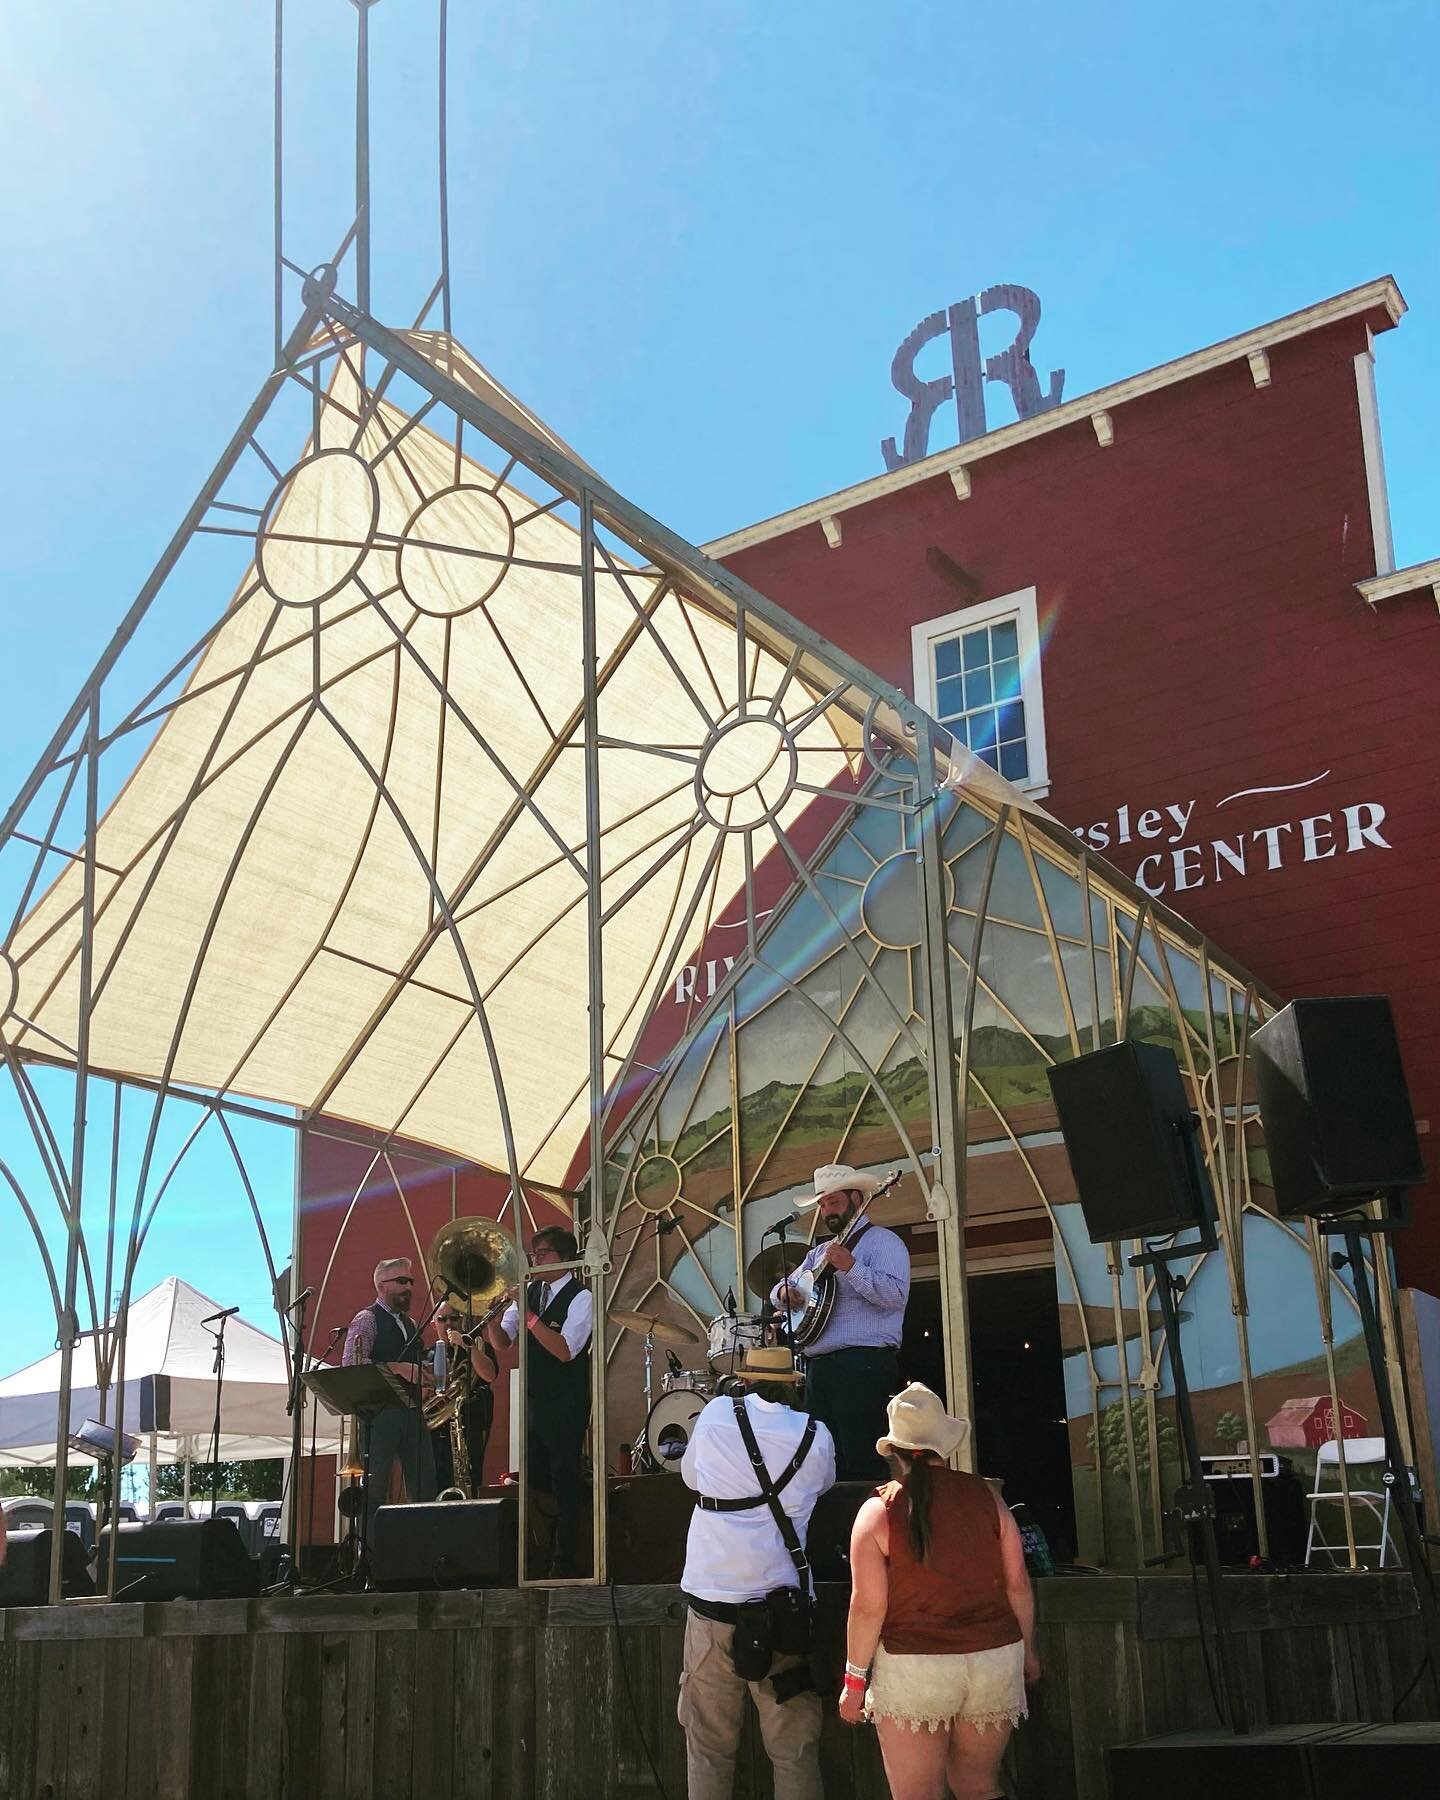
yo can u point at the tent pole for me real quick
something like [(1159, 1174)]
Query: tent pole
[(154, 1470), (185, 1492)]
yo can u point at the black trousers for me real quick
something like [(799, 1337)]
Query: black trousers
[(848, 1391), (554, 1447), (479, 1416)]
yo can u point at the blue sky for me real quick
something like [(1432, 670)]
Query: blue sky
[(691, 237)]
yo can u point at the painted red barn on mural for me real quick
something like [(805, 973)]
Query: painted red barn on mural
[(1168, 609)]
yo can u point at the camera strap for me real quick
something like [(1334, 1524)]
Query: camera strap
[(770, 1489)]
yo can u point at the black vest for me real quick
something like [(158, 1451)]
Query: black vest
[(391, 1338), (550, 1381)]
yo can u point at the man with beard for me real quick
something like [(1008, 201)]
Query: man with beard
[(852, 1368), (395, 1438)]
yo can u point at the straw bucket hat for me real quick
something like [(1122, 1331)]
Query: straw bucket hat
[(767, 1363), (840, 1178), (918, 1421)]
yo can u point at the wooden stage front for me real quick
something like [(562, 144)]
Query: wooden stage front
[(554, 1695)]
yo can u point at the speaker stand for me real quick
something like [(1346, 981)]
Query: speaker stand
[(1194, 1503), (1355, 1228)]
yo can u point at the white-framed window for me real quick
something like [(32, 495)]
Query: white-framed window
[(978, 672)]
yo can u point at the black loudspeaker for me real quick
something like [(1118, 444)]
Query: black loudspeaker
[(1390, 1759), (25, 1578), (446, 1543), (1127, 1124), (828, 1543), (1283, 1497), (1338, 1124), (649, 1526), (1199, 1765), (180, 1559)]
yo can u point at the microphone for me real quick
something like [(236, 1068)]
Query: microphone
[(674, 1363), (441, 1363), (458, 1292), (730, 1301), (299, 1299), (784, 1224), (229, 1313), (669, 1225)]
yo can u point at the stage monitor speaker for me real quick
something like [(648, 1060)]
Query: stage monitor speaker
[(1331, 1087), (180, 1559), (1199, 1765), (25, 1577), (828, 1543), (1283, 1498), (1385, 1759), (1127, 1124), (446, 1543)]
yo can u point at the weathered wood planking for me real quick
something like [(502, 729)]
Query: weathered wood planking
[(536, 1696)]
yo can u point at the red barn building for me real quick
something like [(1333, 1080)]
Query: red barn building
[(1168, 609)]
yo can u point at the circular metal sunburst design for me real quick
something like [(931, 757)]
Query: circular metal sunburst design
[(296, 564), (747, 771), (455, 550)]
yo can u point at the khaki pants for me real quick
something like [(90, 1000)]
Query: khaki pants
[(711, 1713)]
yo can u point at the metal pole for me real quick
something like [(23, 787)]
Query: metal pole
[(595, 1234), (1397, 1473), (69, 1324), (947, 1103), (362, 155)]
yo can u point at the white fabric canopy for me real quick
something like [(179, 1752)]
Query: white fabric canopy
[(164, 1338), (267, 926)]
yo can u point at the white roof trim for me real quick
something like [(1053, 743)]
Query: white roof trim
[(1383, 292), (1403, 581)]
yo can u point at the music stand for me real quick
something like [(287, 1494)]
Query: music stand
[(361, 1391)]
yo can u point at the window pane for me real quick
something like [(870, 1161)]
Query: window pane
[(990, 755), (982, 732), (977, 648), (961, 729), (947, 657), (1004, 640), (1007, 679), (948, 696), (1012, 722), (1014, 762), (977, 689)]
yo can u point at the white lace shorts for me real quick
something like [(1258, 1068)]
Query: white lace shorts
[(982, 1687)]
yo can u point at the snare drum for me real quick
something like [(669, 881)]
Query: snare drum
[(669, 1427), (694, 1381), (733, 1332)]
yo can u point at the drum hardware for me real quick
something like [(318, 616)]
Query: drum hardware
[(479, 1263), (770, 1266), (651, 1325), (816, 1287), (732, 1333)]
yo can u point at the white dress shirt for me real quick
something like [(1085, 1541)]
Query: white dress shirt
[(579, 1320), (737, 1556)]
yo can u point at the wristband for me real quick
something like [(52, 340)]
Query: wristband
[(855, 1670), (854, 1684), (531, 1321)]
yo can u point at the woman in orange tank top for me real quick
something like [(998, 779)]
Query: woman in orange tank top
[(940, 1642)]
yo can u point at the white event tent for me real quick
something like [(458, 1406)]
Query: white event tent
[(166, 1343)]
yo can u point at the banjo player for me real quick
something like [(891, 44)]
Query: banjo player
[(852, 1366)]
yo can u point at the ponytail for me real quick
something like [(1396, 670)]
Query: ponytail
[(913, 1469)]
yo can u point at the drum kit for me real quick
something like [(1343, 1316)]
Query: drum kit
[(670, 1418)]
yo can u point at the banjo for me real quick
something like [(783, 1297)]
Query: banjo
[(816, 1287)]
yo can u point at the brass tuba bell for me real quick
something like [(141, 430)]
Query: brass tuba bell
[(477, 1257)]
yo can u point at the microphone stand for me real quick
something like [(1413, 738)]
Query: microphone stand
[(295, 1410), (219, 1367)]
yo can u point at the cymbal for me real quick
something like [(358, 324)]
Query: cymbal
[(649, 1326), (773, 1265)]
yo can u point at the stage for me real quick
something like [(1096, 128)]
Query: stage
[(568, 1692)]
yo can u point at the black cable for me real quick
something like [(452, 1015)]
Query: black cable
[(629, 1693), (1204, 1646)]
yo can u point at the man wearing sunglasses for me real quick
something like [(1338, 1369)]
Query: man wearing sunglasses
[(395, 1438)]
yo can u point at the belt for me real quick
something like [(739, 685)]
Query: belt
[(723, 1612)]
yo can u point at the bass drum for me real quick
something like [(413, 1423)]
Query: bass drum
[(670, 1426)]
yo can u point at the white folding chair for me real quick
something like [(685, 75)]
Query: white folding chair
[(1360, 1453)]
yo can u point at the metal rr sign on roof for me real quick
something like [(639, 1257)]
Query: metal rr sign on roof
[(966, 382)]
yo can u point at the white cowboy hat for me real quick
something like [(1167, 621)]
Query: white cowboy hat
[(840, 1178), (919, 1421)]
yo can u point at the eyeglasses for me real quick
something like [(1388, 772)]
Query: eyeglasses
[(449, 1318), (400, 1280)]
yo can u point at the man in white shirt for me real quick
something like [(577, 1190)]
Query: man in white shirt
[(559, 1322), (737, 1556)]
